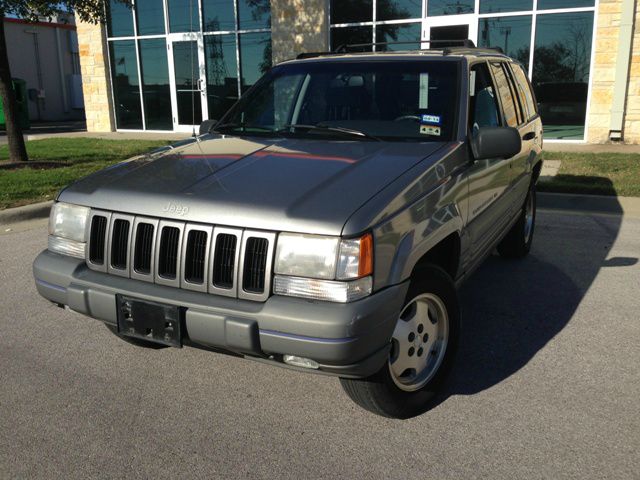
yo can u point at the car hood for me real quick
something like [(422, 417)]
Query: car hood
[(299, 185)]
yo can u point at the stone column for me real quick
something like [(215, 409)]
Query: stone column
[(298, 26), (603, 72), (96, 85)]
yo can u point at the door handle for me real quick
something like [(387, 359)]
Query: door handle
[(529, 136)]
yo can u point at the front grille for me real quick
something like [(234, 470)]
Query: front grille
[(195, 256), (97, 241), (255, 265), (143, 248), (119, 244), (223, 261), (169, 250)]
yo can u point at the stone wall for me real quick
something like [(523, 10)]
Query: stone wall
[(96, 86), (298, 26), (603, 76)]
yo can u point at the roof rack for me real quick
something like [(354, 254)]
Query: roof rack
[(344, 48), (303, 55), (465, 46)]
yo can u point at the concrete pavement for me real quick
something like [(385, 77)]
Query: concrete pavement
[(546, 384)]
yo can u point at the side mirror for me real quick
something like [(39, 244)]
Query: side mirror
[(206, 125), (495, 142)]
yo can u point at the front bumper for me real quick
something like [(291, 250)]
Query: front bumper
[(350, 340)]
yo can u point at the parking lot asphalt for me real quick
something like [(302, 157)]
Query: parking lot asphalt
[(546, 384)]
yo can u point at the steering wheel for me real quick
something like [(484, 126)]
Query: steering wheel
[(407, 117)]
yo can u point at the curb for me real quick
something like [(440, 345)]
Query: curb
[(28, 212), (589, 203)]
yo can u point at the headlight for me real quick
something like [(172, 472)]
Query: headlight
[(68, 229), (324, 268), (306, 256)]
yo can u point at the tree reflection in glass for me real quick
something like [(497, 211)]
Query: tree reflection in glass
[(561, 64)]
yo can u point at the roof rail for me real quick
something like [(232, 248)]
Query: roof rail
[(303, 55), (344, 48)]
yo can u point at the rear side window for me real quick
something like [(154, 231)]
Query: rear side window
[(509, 105), (525, 89)]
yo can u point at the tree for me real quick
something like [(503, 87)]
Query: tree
[(92, 11)]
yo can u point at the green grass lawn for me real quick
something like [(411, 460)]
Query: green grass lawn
[(595, 173), (84, 155)]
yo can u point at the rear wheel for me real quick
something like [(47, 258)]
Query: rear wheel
[(517, 243), (423, 347)]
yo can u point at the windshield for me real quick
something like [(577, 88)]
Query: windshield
[(366, 100)]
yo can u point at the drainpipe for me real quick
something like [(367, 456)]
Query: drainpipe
[(63, 84), (622, 70)]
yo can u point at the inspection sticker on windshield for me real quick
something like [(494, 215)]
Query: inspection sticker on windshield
[(430, 119), (423, 99), (430, 130)]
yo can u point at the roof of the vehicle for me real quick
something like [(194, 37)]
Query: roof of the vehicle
[(432, 53)]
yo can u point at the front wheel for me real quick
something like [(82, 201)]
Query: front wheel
[(423, 347)]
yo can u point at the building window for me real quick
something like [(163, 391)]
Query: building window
[(126, 88), (557, 60), (512, 34), (169, 72), (561, 64), (150, 17), (156, 89), (498, 6)]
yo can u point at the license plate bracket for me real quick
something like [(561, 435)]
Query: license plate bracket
[(150, 321)]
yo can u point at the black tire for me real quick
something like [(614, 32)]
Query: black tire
[(138, 342), (517, 244), (379, 393)]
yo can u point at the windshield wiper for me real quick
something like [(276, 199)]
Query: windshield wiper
[(326, 128), (243, 126)]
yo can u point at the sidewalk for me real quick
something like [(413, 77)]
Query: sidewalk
[(590, 148)]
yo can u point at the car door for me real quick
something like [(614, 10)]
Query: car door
[(514, 116), (530, 131), (490, 179)]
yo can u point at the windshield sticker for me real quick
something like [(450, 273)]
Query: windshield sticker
[(423, 100), (430, 119), (430, 130), (472, 83)]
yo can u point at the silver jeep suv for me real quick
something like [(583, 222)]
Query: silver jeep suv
[(322, 224)]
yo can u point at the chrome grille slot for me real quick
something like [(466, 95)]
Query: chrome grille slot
[(256, 261), (97, 239), (194, 262), (255, 264), (143, 248), (119, 244), (224, 261), (169, 251)]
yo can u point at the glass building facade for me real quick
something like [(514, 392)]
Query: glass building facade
[(551, 38), (176, 62)]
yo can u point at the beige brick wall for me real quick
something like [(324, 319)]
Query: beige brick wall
[(603, 76), (298, 26), (96, 87)]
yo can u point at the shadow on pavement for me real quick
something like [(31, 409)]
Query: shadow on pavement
[(512, 309)]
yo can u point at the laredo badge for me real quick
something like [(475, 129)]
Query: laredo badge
[(430, 130)]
